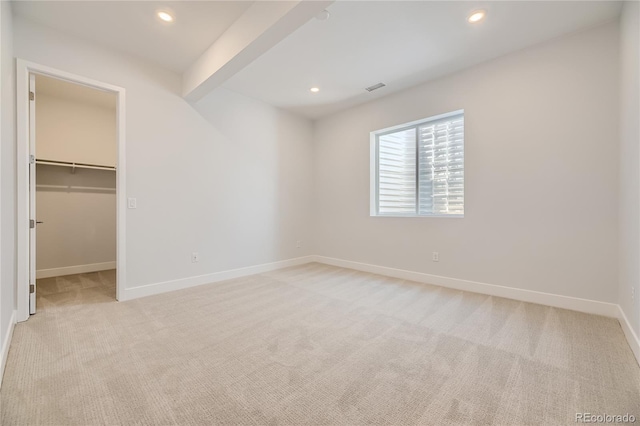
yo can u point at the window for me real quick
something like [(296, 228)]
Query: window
[(418, 168)]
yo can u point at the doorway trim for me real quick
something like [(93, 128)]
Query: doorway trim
[(23, 69)]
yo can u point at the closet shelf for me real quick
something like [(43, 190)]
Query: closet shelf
[(74, 165)]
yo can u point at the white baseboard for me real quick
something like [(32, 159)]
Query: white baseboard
[(77, 269), (555, 300), (5, 345), (531, 296), (163, 287), (631, 336)]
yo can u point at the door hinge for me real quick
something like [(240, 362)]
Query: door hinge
[(32, 159), (32, 288), (32, 96), (32, 223)]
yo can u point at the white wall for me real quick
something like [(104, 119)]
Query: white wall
[(7, 175), (74, 131), (630, 163), (79, 226), (541, 141), (229, 178)]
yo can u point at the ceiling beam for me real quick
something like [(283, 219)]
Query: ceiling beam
[(257, 30)]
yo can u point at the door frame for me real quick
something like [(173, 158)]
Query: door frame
[(23, 69)]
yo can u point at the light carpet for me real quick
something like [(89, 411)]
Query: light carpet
[(312, 344)]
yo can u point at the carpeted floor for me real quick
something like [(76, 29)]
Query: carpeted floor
[(314, 345)]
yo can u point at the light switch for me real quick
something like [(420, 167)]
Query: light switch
[(131, 203)]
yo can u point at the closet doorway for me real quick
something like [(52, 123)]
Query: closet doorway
[(70, 190), (75, 193)]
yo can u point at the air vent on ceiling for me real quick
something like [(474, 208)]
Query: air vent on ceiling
[(374, 87)]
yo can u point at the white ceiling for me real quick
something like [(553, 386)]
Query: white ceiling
[(74, 92), (401, 44), (133, 27)]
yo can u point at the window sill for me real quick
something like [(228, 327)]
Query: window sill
[(452, 216)]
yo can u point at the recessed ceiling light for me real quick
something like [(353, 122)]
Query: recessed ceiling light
[(165, 16), (315, 89), (477, 16)]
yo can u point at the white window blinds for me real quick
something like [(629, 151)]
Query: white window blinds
[(420, 168), (397, 172)]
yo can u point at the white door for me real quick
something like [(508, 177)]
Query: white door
[(32, 194)]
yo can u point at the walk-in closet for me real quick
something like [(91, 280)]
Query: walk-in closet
[(75, 197)]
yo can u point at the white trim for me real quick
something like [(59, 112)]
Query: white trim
[(22, 195), (373, 174), (548, 299), (121, 195), (555, 300), (422, 216), (77, 269), (416, 122), (6, 344), (565, 302), (179, 284), (632, 337), (23, 69)]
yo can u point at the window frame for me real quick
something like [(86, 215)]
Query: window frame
[(374, 166)]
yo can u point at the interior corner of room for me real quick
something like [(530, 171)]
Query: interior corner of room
[(325, 212)]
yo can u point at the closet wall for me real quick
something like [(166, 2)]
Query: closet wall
[(76, 129), (75, 124)]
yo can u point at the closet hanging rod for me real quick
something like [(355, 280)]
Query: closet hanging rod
[(77, 188), (74, 165)]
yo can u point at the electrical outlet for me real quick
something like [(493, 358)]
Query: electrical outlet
[(436, 256), (633, 293), (298, 244), (132, 203), (195, 257)]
